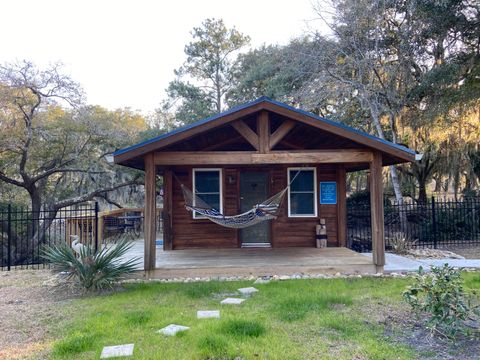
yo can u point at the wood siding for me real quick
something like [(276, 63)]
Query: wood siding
[(200, 233), (285, 231)]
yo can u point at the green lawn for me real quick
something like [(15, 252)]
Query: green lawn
[(296, 319)]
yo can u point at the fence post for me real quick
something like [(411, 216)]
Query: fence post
[(96, 226), (434, 224), (9, 236)]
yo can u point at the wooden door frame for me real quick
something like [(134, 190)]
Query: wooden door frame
[(268, 172)]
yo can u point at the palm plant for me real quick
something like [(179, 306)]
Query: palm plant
[(92, 270)]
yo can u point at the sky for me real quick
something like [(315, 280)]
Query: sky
[(123, 53)]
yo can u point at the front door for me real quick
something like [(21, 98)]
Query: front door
[(254, 190)]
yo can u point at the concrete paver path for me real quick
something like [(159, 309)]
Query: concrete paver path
[(117, 351), (397, 263)]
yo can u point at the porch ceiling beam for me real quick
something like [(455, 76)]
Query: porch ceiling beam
[(254, 158), (280, 133), (249, 135)]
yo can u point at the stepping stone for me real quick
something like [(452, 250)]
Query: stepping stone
[(172, 329), (232, 301), (117, 351), (207, 314), (248, 291), (262, 281)]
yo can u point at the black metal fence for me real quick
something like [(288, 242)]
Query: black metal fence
[(438, 224), (24, 233)]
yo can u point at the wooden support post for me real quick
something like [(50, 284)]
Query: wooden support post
[(376, 206), (263, 130), (150, 233), (167, 210), (342, 205)]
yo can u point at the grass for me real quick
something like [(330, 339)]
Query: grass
[(297, 319)]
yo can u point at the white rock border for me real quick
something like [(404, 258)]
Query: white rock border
[(284, 277)]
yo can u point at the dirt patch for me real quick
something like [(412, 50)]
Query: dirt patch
[(33, 305), (403, 327)]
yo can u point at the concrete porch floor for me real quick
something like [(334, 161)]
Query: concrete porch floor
[(257, 262)]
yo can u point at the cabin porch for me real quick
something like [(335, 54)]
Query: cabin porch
[(272, 141), (253, 261)]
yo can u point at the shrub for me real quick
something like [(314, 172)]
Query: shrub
[(92, 270), (440, 294), (401, 243)]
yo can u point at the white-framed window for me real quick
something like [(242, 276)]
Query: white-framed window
[(302, 192), (207, 185)]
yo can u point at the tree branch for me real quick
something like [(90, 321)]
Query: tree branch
[(93, 194), (8, 180), (57, 170), (110, 201)]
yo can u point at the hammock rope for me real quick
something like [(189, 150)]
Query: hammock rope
[(266, 210)]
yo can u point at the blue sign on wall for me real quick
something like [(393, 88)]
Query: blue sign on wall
[(328, 193)]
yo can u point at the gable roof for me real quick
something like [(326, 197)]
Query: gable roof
[(263, 103)]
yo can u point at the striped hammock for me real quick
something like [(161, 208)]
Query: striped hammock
[(267, 210)]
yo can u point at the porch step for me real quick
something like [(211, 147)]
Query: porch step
[(256, 245)]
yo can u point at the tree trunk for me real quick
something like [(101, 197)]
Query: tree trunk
[(438, 184), (422, 191), (393, 170), (456, 183), (39, 222), (219, 92), (36, 202), (375, 113)]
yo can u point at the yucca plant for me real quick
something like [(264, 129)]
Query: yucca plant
[(92, 270)]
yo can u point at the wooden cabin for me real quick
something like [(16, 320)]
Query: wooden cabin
[(241, 157)]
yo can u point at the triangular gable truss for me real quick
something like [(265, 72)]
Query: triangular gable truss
[(263, 140)]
